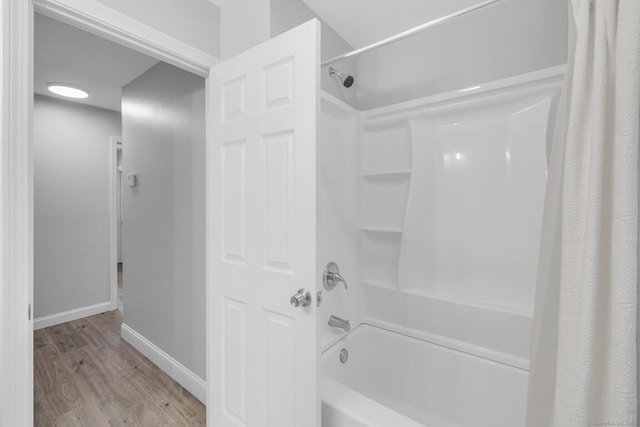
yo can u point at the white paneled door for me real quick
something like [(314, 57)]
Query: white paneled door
[(261, 239)]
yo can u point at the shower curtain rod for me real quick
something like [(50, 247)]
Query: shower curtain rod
[(410, 32)]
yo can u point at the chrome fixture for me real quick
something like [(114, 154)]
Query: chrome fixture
[(331, 276), (302, 298), (344, 355), (345, 79), (338, 322), (410, 32)]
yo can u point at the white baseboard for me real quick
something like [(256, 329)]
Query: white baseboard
[(176, 370), (68, 316)]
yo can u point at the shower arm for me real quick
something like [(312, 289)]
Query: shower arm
[(410, 32)]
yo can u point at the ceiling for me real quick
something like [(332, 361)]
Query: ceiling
[(362, 22), (64, 54)]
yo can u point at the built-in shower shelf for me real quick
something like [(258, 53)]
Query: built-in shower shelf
[(389, 174), (381, 229)]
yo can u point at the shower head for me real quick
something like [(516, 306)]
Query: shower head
[(345, 79)]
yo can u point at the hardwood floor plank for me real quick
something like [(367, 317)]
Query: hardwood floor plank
[(67, 337), (47, 368), (86, 375), (40, 339), (83, 416), (43, 417), (89, 333), (58, 401), (94, 388)]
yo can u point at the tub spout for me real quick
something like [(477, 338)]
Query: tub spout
[(338, 322)]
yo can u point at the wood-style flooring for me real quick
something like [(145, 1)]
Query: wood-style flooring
[(86, 375)]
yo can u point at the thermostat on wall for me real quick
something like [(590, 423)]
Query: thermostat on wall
[(131, 179)]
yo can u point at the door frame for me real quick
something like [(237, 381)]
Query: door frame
[(16, 170), (114, 218)]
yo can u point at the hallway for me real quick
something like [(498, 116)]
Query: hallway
[(86, 375)]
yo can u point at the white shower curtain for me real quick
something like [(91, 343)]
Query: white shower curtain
[(584, 357)]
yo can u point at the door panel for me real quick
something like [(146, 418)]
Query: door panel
[(263, 353)]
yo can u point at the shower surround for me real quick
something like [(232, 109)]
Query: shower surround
[(450, 197)]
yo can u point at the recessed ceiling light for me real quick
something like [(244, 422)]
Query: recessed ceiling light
[(68, 91)]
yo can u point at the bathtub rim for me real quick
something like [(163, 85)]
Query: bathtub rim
[(334, 391), (334, 382), (447, 344)]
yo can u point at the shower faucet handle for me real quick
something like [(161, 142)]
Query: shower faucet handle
[(331, 276), (336, 277)]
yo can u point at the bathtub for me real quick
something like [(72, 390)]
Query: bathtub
[(392, 380)]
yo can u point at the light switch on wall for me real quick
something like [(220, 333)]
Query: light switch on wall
[(131, 180)]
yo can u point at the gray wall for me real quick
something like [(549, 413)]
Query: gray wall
[(504, 40), (71, 204), (243, 24), (246, 23), (164, 215), (288, 14), (195, 22)]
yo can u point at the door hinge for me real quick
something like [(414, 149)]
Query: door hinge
[(29, 312)]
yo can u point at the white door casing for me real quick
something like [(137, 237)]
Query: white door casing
[(16, 214), (114, 219), (261, 234)]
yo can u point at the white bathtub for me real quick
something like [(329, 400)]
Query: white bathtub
[(391, 380)]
